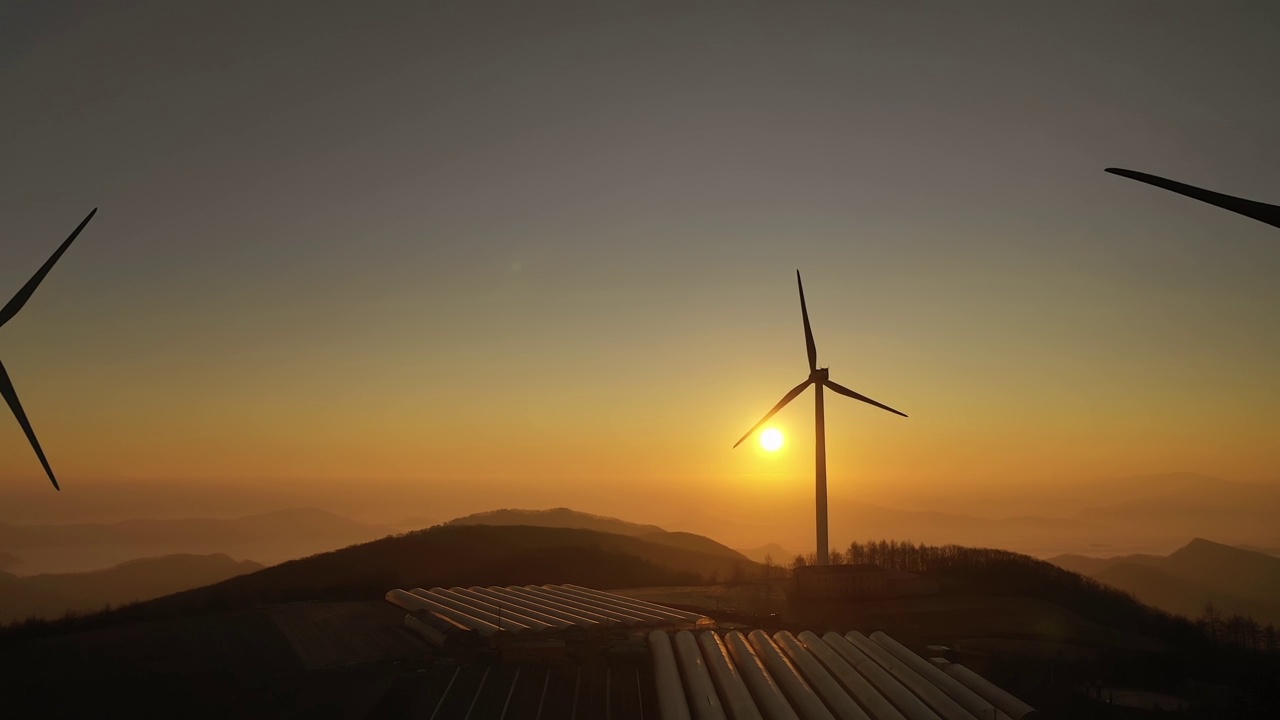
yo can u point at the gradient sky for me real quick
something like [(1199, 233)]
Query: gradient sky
[(363, 243)]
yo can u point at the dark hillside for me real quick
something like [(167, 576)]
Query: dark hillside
[(566, 518), (1180, 595), (447, 556), (1001, 572), (696, 543), (557, 518), (1194, 655)]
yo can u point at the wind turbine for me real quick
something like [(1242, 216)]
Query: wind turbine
[(6, 314), (818, 378), (1260, 211)]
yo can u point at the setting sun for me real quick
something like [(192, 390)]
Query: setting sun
[(771, 439)]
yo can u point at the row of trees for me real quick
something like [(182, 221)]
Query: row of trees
[(1238, 630), (905, 555)]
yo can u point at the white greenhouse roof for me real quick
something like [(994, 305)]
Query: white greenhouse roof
[(755, 675), (541, 608)]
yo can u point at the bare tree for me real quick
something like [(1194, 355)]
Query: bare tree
[(1212, 621), (855, 553)]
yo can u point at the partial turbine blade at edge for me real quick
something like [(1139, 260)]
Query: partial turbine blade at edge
[(11, 396), (809, 345), (1260, 211), (15, 304), (781, 403), (859, 396)]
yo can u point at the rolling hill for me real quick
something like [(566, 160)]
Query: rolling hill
[(695, 543), (557, 518), (773, 551), (455, 555), (566, 518), (54, 594)]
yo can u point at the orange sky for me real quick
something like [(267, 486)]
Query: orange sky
[(569, 260)]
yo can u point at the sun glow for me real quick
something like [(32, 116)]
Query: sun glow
[(771, 439)]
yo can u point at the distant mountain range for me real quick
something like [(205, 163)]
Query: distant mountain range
[(267, 538), (1235, 580), (773, 551), (54, 594)]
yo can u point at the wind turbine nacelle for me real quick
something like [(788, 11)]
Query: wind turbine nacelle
[(819, 375)]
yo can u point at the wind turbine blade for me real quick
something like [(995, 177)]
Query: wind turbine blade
[(781, 403), (11, 396), (1260, 211), (858, 396), (27, 290), (808, 331)]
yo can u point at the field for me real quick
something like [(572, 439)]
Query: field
[(334, 635), (329, 660)]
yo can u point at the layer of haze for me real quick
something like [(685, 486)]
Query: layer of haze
[(393, 258)]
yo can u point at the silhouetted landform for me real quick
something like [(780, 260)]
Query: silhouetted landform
[(252, 650), (1237, 655), (557, 517), (1003, 573), (53, 595), (9, 561), (819, 378), (566, 518), (1233, 579), (771, 552), (1260, 211), (7, 313), (454, 555), (518, 555), (268, 538), (1273, 551), (696, 543)]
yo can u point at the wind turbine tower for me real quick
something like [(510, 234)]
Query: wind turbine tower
[(818, 378)]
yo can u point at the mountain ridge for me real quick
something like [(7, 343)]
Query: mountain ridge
[(1235, 580), (141, 579)]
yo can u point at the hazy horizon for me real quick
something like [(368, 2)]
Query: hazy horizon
[(1148, 514)]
